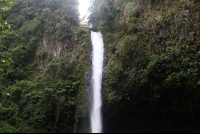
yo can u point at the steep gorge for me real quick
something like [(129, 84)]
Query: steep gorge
[(151, 66)]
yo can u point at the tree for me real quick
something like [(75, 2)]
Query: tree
[(5, 8)]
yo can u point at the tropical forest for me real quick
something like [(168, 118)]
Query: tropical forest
[(127, 66)]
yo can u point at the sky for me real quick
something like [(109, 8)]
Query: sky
[(83, 7)]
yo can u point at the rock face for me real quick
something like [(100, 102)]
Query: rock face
[(53, 47), (85, 126), (88, 81), (52, 50)]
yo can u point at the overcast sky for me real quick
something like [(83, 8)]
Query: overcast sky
[(83, 7)]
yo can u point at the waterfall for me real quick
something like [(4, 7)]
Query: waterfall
[(97, 66)]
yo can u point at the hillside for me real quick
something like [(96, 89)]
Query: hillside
[(151, 77), (48, 51)]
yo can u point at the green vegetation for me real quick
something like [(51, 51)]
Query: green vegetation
[(151, 81), (42, 88), (5, 8), (152, 49)]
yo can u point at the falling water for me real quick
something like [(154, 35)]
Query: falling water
[(97, 65)]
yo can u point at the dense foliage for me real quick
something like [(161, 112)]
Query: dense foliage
[(152, 52), (152, 55), (5, 8), (34, 98)]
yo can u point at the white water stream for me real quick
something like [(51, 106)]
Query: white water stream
[(97, 65)]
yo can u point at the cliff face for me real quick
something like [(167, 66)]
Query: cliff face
[(151, 64), (151, 72), (42, 89)]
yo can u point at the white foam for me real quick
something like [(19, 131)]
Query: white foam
[(97, 65)]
